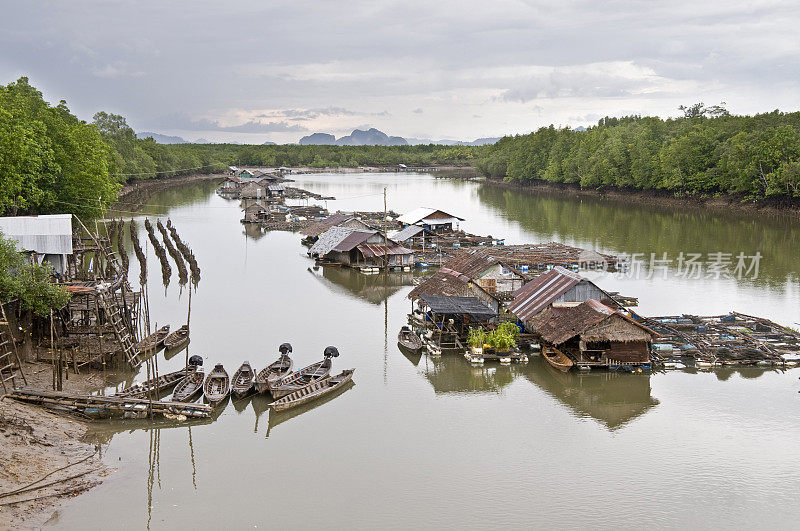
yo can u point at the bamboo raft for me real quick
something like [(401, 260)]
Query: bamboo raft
[(137, 407), (313, 391)]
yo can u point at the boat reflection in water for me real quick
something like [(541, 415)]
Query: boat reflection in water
[(612, 398), (261, 404), (374, 289)]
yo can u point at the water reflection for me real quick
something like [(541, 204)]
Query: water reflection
[(612, 398), (374, 289), (625, 227), (279, 417), (452, 373)]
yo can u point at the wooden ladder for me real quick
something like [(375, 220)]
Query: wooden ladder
[(9, 372), (111, 307)]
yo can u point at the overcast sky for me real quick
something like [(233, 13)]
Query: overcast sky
[(257, 70)]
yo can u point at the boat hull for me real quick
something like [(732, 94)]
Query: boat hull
[(315, 391), (557, 359)]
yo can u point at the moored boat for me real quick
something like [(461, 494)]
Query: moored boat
[(409, 340), (304, 376), (313, 391), (557, 359), (177, 339), (275, 370), (154, 341), (217, 385), (242, 381), (163, 383), (192, 384)]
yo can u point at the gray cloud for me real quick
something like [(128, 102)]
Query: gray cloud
[(182, 122), (377, 61)]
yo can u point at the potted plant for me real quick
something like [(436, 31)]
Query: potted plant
[(500, 340), (476, 339)]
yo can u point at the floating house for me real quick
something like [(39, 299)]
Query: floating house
[(360, 249), (42, 238), (253, 190), (255, 212), (472, 274), (338, 219), (430, 218), (230, 184), (593, 334), (558, 287)]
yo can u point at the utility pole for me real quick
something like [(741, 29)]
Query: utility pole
[(385, 235)]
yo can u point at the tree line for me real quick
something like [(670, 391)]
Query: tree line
[(51, 161), (706, 152)]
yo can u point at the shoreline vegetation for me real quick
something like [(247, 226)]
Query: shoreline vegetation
[(52, 162)]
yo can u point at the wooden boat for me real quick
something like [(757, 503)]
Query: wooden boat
[(177, 339), (557, 359), (409, 340), (315, 390), (273, 371), (242, 382), (298, 380), (217, 385), (188, 388), (154, 341), (163, 383)]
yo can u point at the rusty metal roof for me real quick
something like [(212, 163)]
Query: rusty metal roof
[(534, 296), (370, 250)]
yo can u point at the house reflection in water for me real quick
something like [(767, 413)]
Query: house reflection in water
[(612, 398), (454, 374), (371, 288)]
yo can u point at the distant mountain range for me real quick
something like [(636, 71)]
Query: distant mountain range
[(162, 139), (359, 137), (374, 137)]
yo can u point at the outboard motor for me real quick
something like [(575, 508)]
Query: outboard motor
[(331, 352), (196, 361), (285, 348)]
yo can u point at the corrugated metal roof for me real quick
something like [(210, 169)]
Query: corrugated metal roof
[(275, 188), (419, 214), (328, 240), (352, 240), (534, 296), (50, 234), (370, 250), (406, 233), (446, 305)]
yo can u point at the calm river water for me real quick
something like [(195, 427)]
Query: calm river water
[(436, 443)]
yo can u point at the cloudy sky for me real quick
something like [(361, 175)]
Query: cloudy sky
[(257, 70)]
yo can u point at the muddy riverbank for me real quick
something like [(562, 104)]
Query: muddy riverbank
[(44, 454), (134, 195), (664, 199)]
